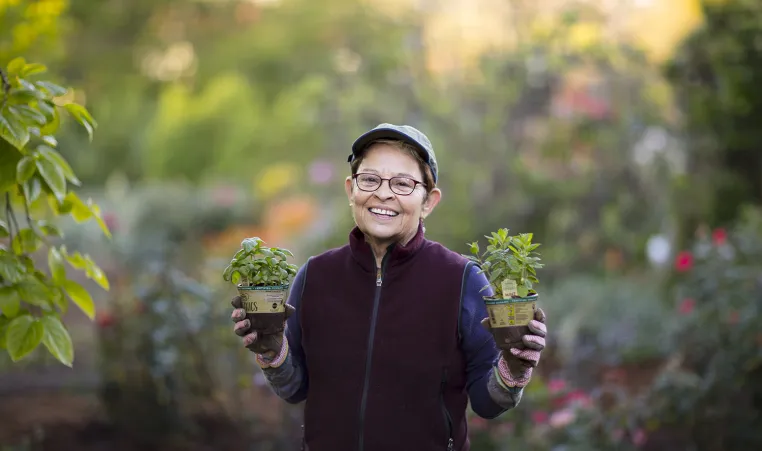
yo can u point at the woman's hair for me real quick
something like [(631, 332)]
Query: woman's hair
[(428, 177)]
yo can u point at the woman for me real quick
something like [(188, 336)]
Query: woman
[(383, 336)]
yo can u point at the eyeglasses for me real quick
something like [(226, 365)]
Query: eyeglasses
[(403, 186)]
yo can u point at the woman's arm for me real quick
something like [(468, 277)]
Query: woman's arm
[(287, 373), (488, 395)]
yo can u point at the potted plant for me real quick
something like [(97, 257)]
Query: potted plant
[(510, 264), (262, 276)]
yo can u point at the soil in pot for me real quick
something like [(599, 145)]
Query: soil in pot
[(265, 307), (509, 318)]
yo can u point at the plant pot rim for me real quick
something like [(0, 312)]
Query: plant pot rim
[(528, 298), (263, 287)]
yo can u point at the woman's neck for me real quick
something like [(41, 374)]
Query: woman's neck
[(380, 247)]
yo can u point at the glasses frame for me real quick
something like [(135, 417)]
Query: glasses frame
[(389, 180)]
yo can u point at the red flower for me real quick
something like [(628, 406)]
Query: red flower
[(540, 417), (684, 261), (719, 237), (556, 385), (687, 306), (639, 437), (104, 319)]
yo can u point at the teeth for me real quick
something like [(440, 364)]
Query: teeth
[(379, 211)]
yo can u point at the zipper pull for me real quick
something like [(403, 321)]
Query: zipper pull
[(378, 277), (450, 445)]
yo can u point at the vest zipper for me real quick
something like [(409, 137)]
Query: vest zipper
[(447, 417), (371, 336)]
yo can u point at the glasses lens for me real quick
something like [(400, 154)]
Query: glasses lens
[(402, 185), (368, 182)]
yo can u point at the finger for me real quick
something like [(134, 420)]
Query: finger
[(537, 328), (249, 339), (237, 302), (485, 325), (242, 327), (539, 315), (534, 342), (290, 310), (529, 356), (238, 315)]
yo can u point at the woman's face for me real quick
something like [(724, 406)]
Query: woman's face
[(384, 215)]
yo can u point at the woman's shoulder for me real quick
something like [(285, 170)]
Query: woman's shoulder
[(444, 255)]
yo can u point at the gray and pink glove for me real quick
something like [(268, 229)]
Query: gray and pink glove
[(515, 365)]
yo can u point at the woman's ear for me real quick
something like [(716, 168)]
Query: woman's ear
[(431, 201), (348, 188)]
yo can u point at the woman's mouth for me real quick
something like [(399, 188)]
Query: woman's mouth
[(382, 214)]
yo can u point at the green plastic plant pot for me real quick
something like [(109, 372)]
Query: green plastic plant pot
[(508, 319), (265, 306)]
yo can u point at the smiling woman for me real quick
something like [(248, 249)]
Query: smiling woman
[(385, 333)]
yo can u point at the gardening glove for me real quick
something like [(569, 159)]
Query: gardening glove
[(515, 365), (269, 345)]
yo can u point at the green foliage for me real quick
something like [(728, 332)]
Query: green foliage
[(508, 258), (715, 74), (36, 183), (255, 264)]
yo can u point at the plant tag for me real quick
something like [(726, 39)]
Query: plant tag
[(265, 302), (510, 313), (510, 288)]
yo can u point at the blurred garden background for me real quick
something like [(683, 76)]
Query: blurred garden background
[(625, 134)]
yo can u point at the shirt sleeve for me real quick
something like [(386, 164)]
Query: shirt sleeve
[(487, 397), (290, 380)]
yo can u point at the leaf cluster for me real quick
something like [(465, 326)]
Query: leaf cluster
[(36, 181), (508, 257), (255, 264)]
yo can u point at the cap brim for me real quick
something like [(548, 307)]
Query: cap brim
[(386, 133)]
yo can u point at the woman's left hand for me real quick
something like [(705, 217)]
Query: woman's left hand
[(516, 365)]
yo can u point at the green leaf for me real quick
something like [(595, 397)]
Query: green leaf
[(82, 116), (49, 229), (26, 241), (76, 259), (54, 177), (79, 211), (33, 291), (9, 301), (57, 159), (56, 265), (52, 88), (235, 277), (33, 69), (3, 329), (32, 189), (16, 66), (96, 210), (53, 119), (24, 334), (57, 339), (13, 130), (29, 114), (11, 269), (81, 297), (95, 273), (4, 232), (25, 169)]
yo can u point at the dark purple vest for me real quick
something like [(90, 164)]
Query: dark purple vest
[(385, 368)]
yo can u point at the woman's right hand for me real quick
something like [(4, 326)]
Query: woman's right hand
[(266, 345)]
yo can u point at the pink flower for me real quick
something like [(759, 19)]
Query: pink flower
[(580, 397), (540, 417), (687, 306), (719, 237), (556, 385), (561, 418), (684, 261), (734, 317), (639, 437)]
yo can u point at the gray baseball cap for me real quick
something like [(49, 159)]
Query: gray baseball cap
[(404, 133)]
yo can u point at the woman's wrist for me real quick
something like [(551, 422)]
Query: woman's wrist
[(276, 361), (508, 380)]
